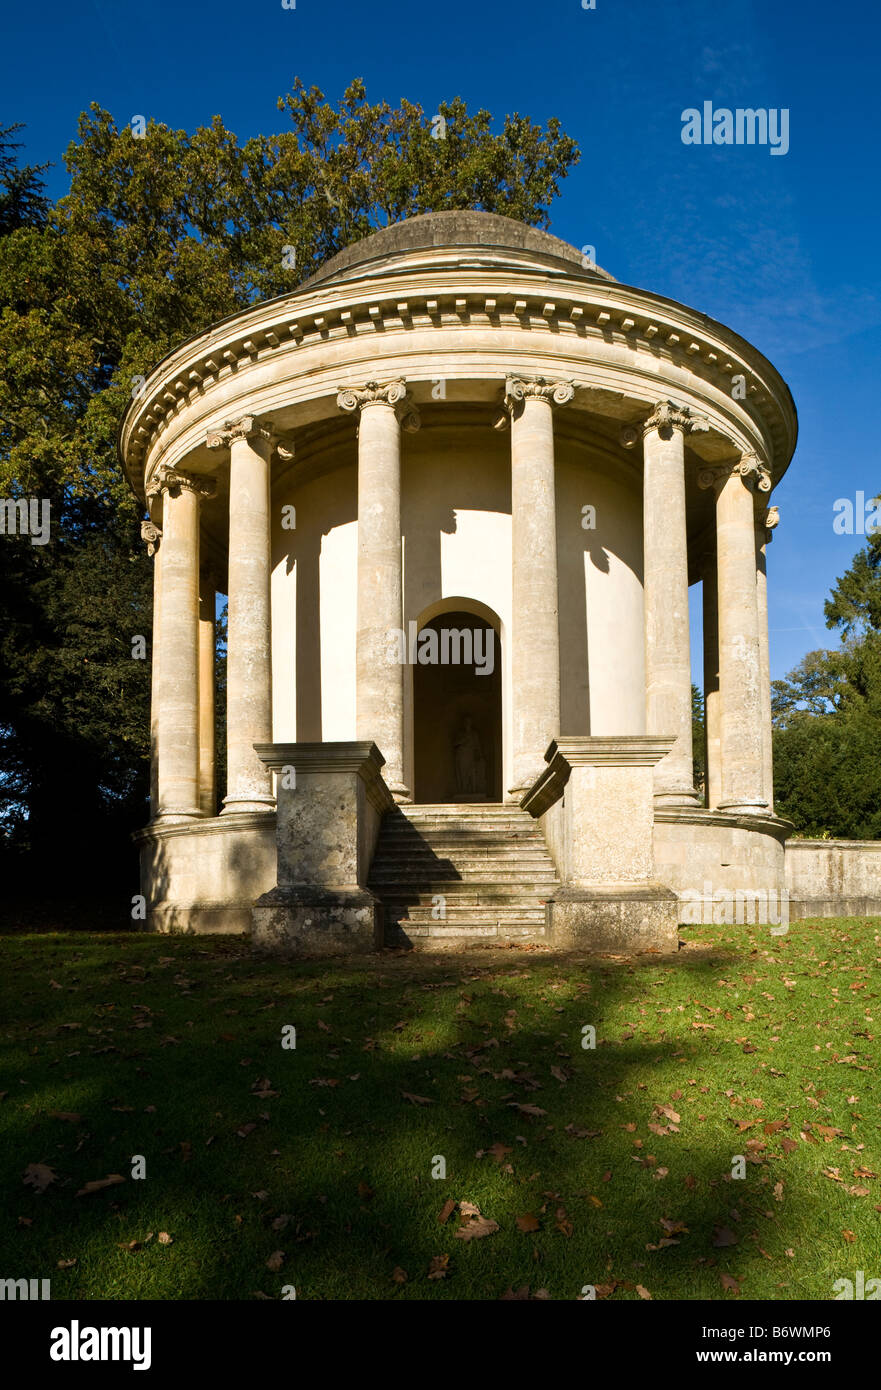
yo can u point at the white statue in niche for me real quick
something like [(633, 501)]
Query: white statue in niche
[(469, 762)]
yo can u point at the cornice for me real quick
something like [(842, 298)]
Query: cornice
[(566, 309)]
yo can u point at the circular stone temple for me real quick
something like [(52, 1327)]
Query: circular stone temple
[(456, 487)]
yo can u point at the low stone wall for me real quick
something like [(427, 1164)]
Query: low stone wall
[(834, 878), (720, 864), (205, 876)]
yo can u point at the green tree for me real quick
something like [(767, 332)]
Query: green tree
[(699, 738), (827, 716)]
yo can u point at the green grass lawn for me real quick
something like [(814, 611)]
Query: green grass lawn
[(310, 1167)]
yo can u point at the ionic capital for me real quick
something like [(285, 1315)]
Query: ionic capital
[(247, 427), (520, 389), (755, 474), (667, 416), (391, 393), (151, 534), (173, 481), (766, 522)]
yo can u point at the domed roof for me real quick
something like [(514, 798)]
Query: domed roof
[(446, 230)]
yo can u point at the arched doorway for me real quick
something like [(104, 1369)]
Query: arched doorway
[(457, 708)]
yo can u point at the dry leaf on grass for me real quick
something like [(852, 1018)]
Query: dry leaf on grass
[(275, 1261), (98, 1186), (476, 1227), (528, 1222), (446, 1211), (498, 1151), (439, 1267), (39, 1176), (722, 1236)]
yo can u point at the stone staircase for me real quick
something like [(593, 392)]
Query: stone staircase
[(447, 874)]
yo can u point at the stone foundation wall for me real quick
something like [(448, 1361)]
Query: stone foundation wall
[(707, 856), (834, 878), (206, 876)]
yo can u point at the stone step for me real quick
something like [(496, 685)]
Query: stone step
[(453, 879), (489, 862), (521, 916), (533, 891), (457, 937), (454, 830), (470, 861)]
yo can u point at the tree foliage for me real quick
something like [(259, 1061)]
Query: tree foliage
[(827, 716)]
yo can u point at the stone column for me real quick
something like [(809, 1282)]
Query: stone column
[(379, 701), (248, 656), (535, 633), (178, 684), (207, 769), (765, 524), (665, 587), (712, 706), (739, 659), (151, 534)]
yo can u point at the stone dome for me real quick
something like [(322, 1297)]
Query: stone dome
[(446, 231)]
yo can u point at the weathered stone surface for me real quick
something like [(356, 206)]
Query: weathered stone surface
[(286, 921), (331, 797), (206, 877), (618, 918)]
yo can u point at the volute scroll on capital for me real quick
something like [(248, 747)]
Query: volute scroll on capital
[(767, 521), (391, 393), (755, 474), (151, 535), (520, 389), (666, 416), (246, 427), (174, 481)]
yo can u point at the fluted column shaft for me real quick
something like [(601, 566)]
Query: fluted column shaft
[(535, 633), (739, 656), (665, 587), (151, 534), (249, 654), (178, 683), (379, 697), (712, 699), (207, 768), (766, 522)]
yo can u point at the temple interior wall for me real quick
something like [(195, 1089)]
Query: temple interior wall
[(456, 526)]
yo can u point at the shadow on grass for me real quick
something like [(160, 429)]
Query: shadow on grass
[(167, 1070)]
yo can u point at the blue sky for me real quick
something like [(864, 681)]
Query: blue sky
[(784, 249)]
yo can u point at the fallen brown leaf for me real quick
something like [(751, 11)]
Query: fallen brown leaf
[(476, 1228), (528, 1222), (110, 1181), (439, 1267), (722, 1236), (39, 1176)]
